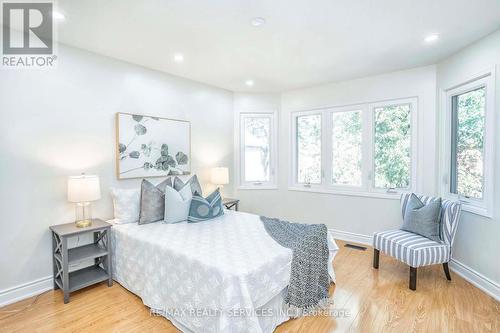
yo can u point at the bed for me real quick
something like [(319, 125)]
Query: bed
[(222, 275)]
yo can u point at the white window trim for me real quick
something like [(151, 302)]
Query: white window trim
[(367, 188), (485, 206), (293, 140), (273, 144), (328, 149), (413, 144)]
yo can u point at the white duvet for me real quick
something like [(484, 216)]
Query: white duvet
[(222, 275)]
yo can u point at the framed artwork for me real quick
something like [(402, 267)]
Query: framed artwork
[(149, 146)]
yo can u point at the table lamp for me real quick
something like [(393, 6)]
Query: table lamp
[(220, 177), (82, 190)]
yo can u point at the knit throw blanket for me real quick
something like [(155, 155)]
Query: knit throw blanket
[(309, 280)]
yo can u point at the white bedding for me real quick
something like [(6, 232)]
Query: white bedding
[(198, 274)]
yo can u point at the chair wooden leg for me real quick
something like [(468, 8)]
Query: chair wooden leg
[(413, 278), (376, 255), (447, 271)]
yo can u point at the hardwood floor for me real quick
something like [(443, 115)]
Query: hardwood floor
[(375, 301)]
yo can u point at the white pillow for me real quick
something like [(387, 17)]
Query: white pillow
[(127, 205), (177, 204)]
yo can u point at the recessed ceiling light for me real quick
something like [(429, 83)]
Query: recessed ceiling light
[(58, 15), (431, 38), (249, 83), (258, 21), (178, 58)]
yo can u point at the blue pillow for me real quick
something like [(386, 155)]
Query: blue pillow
[(423, 219), (202, 209)]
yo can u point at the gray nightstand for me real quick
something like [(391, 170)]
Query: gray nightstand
[(231, 203), (62, 257)]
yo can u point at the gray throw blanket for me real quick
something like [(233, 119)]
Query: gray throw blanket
[(309, 280)]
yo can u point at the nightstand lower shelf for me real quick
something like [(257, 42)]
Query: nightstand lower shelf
[(86, 276)]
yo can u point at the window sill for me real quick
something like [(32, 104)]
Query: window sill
[(481, 211), (390, 196), (261, 187)]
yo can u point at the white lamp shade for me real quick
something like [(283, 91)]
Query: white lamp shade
[(220, 176), (83, 188)]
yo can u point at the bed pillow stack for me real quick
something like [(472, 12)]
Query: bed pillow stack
[(171, 201)]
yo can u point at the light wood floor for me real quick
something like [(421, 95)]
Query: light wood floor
[(377, 301)]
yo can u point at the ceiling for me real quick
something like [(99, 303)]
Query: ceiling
[(303, 43)]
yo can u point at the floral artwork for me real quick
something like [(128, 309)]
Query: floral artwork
[(152, 146)]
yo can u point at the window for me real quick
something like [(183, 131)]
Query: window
[(309, 149), (467, 145), (467, 170), (365, 149), (392, 155), (347, 151), (257, 150)]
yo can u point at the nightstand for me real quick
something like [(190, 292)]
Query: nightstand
[(62, 257), (230, 203)]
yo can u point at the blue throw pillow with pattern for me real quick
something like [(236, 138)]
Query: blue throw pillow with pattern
[(203, 209)]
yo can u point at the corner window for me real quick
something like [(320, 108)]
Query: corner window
[(468, 144), (257, 150)]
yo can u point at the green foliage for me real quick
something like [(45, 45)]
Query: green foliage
[(470, 143), (392, 146), (346, 148), (309, 149)]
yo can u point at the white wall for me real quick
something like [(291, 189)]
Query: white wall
[(55, 123), (361, 215), (477, 242)]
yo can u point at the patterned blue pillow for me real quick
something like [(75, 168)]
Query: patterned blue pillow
[(202, 209)]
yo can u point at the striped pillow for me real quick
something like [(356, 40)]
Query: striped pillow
[(202, 209)]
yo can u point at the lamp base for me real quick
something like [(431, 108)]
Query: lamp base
[(83, 223)]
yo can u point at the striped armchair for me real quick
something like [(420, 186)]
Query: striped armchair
[(415, 250)]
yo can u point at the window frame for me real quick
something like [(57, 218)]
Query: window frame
[(367, 187), (329, 149), (413, 102), (273, 152), (484, 206), (295, 171)]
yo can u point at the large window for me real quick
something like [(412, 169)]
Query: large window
[(468, 155), (257, 150), (368, 148)]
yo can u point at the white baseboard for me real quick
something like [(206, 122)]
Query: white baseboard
[(351, 237), (23, 291), (477, 279)]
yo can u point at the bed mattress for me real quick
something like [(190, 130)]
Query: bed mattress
[(222, 275)]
